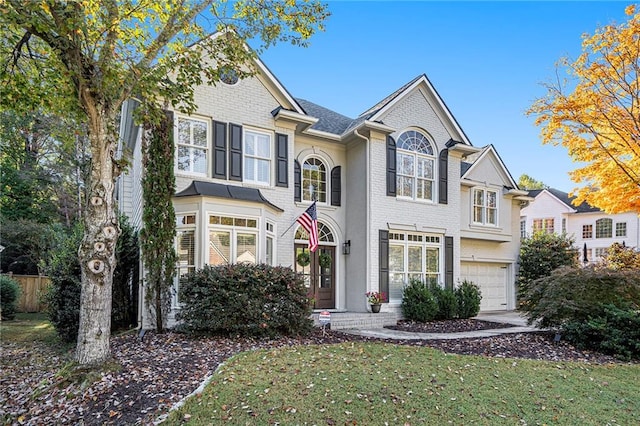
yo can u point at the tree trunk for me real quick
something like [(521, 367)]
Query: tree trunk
[(97, 251)]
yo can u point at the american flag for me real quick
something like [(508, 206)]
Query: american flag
[(309, 221)]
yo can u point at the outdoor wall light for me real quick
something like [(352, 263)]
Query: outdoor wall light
[(346, 247)]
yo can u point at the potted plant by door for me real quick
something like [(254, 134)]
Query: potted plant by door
[(375, 299)]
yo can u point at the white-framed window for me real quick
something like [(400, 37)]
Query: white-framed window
[(485, 207), (601, 251), (415, 167), (232, 239), (523, 228), (621, 229), (185, 248), (546, 225), (257, 154), (270, 243), (192, 145), (604, 228), (314, 180), (564, 225), (413, 256), (587, 232)]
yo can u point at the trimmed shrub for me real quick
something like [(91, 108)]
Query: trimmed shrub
[(578, 294), (245, 300), (468, 295), (9, 294), (540, 254), (614, 331), (447, 302), (418, 303)]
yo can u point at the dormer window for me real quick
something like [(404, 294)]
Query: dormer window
[(415, 174), (485, 207)]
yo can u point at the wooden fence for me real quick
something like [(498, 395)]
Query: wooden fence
[(33, 287)]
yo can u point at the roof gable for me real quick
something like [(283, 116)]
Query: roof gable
[(485, 163), (565, 199), (421, 82)]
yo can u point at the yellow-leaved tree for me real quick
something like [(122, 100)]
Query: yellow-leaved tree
[(594, 112)]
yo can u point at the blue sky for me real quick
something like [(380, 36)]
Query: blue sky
[(487, 61)]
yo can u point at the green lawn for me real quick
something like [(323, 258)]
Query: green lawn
[(27, 328), (377, 384)]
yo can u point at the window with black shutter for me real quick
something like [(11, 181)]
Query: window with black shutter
[(282, 160), (391, 166)]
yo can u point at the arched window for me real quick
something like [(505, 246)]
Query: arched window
[(415, 175), (314, 180), (324, 234)]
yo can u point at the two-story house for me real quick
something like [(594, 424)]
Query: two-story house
[(401, 192), (592, 230)]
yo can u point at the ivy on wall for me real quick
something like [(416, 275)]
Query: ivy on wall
[(158, 232)]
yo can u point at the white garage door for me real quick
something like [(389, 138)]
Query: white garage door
[(492, 280)]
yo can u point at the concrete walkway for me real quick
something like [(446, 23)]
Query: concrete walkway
[(506, 317)]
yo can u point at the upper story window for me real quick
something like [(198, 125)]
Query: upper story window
[(523, 229), (193, 135), (546, 225), (621, 229), (314, 180), (257, 157), (415, 174), (604, 228), (485, 207), (587, 231)]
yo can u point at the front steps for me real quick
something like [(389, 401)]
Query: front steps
[(362, 320)]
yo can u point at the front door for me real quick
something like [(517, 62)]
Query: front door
[(318, 271)]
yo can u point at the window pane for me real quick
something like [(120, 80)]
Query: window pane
[(396, 285), (396, 258), (184, 132), (405, 186), (269, 250), (263, 146), (249, 144), (246, 248), (433, 259), (249, 168), (477, 215), (199, 161), (492, 216), (424, 189), (406, 164), (478, 199), (415, 259), (184, 158), (263, 171), (219, 247), (199, 133), (425, 168), (186, 248), (491, 199)]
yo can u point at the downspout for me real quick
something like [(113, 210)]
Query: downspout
[(367, 205)]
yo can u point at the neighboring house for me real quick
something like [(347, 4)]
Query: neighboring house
[(593, 230), (401, 192)]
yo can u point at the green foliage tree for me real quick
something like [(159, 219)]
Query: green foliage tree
[(88, 57), (540, 254), (527, 182), (620, 257), (124, 309), (158, 187)]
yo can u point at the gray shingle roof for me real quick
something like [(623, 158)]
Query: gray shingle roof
[(211, 189), (328, 121)]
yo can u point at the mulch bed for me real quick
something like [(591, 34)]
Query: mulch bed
[(150, 376), (448, 326)]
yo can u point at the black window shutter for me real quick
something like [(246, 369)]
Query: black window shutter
[(391, 166), (297, 181), (448, 262), (443, 166), (383, 262), (219, 150), (336, 182), (235, 152), (282, 160)]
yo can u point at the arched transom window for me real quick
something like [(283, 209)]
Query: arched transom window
[(324, 234), (415, 166), (314, 180)]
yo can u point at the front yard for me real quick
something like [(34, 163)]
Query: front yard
[(332, 379)]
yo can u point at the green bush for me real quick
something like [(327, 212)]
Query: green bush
[(468, 295), (246, 300), (447, 302), (63, 296), (418, 302), (577, 294), (614, 331), (9, 294), (540, 254)]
